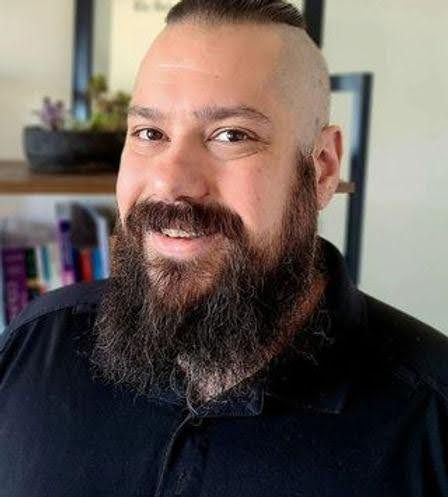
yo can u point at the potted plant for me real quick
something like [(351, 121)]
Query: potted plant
[(62, 144)]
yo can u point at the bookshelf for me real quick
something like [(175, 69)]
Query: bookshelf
[(17, 179)]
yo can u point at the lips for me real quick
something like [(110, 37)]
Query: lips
[(180, 244)]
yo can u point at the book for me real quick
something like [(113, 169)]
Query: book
[(64, 230), (15, 290), (53, 254), (91, 227), (85, 263), (97, 264), (103, 224), (33, 282), (44, 267)]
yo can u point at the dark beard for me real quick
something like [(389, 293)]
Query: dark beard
[(156, 331)]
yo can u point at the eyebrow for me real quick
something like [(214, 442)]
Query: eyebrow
[(207, 113)]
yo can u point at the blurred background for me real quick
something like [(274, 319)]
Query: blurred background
[(402, 220)]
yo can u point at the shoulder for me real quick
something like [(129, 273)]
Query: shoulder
[(418, 352), (72, 299)]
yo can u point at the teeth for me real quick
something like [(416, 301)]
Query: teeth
[(179, 234)]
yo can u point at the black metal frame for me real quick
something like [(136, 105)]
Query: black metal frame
[(82, 57), (360, 85)]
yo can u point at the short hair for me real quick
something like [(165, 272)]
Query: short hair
[(258, 11)]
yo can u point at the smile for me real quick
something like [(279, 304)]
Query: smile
[(180, 244), (173, 233)]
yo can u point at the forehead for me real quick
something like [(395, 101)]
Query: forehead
[(193, 64)]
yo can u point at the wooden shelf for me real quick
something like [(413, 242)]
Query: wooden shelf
[(346, 187), (17, 179)]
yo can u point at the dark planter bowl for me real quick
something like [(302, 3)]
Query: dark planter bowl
[(72, 151)]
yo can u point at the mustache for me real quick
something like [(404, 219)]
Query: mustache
[(188, 215)]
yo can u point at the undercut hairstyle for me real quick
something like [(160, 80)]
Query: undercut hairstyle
[(259, 11)]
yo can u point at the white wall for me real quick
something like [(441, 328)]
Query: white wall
[(406, 226), (35, 60), (132, 31)]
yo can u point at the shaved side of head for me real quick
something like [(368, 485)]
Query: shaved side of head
[(304, 81)]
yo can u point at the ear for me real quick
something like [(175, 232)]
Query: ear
[(327, 157)]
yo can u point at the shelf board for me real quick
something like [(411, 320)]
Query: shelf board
[(17, 179), (346, 187)]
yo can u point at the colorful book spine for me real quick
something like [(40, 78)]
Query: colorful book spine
[(32, 277), (15, 280), (97, 264), (103, 245), (43, 267), (68, 275), (85, 264), (55, 264), (102, 230)]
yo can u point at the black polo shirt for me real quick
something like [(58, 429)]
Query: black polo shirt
[(364, 413)]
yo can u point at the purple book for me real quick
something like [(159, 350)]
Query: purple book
[(15, 283), (68, 275)]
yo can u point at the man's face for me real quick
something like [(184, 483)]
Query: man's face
[(215, 256), (209, 125)]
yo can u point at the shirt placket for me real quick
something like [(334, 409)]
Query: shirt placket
[(184, 460)]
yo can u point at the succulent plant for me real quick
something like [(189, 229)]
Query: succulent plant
[(52, 114), (97, 87), (108, 112)]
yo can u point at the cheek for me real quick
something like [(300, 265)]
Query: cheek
[(256, 197), (130, 182)]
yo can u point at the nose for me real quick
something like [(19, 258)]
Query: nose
[(179, 172)]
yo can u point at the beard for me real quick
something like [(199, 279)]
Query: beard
[(207, 323)]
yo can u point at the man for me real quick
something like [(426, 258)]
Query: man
[(229, 354)]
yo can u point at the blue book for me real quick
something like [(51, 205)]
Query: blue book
[(97, 264)]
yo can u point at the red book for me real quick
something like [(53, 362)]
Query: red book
[(85, 264)]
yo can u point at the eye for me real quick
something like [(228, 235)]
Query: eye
[(149, 134), (232, 136)]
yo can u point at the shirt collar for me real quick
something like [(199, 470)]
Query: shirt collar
[(317, 372)]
